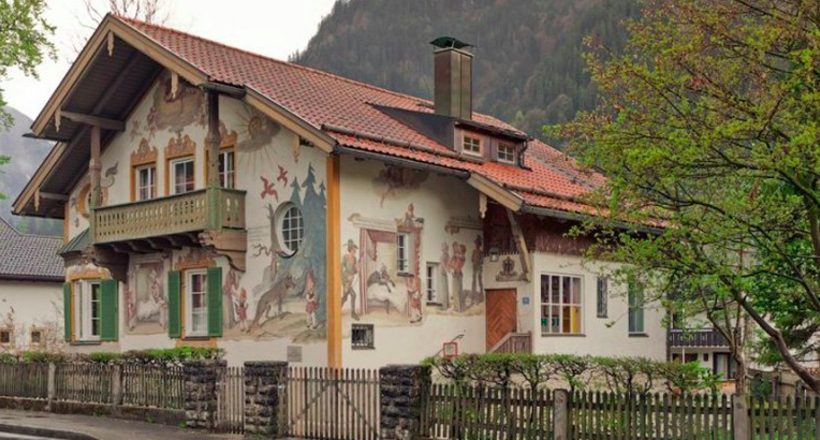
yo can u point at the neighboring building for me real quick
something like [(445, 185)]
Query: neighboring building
[(215, 197), (31, 291)]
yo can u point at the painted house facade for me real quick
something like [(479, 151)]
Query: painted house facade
[(31, 285), (214, 197)]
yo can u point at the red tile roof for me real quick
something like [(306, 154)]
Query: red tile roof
[(340, 106)]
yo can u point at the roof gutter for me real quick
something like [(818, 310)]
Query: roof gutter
[(574, 216), (225, 89), (407, 163)]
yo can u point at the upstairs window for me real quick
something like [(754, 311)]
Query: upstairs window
[(602, 293), (182, 175), (292, 227), (146, 182), (403, 265), (227, 171), (472, 145), (506, 153), (431, 282)]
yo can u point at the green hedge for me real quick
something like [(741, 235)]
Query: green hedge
[(631, 375), (152, 356)]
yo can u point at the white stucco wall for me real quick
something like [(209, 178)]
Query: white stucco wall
[(368, 201), (25, 305)]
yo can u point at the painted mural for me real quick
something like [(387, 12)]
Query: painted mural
[(146, 298), (289, 298), (395, 182), (80, 201)]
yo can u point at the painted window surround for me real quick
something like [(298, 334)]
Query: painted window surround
[(84, 310), (87, 276)]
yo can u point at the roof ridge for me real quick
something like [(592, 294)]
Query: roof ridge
[(275, 60)]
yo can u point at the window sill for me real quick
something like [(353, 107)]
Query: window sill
[(638, 335), (602, 316), (363, 348), (81, 343), (563, 335), (405, 274)]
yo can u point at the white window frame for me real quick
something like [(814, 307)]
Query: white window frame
[(285, 227), (404, 253), (173, 174), (505, 146), (202, 312), (632, 305), (602, 298), (548, 305), (152, 185), (431, 283), (83, 303), (227, 177), (480, 151)]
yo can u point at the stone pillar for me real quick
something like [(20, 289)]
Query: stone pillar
[(402, 388), (741, 424), (52, 385), (200, 392), (265, 399), (560, 415)]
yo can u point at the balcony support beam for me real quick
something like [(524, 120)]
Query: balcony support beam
[(94, 121)]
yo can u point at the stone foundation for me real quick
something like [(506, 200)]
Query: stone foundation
[(265, 399), (401, 394)]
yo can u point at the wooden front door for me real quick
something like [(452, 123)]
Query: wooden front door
[(501, 314)]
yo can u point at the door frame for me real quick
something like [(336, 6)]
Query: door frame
[(487, 293)]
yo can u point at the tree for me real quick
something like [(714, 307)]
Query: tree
[(707, 127), (150, 11), (24, 37)]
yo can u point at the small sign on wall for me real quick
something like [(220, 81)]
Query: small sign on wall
[(525, 300), (449, 350), (294, 353)]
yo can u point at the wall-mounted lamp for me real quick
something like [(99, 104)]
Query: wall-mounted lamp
[(494, 254)]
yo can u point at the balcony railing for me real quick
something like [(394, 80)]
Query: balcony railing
[(514, 343), (206, 209), (696, 338)]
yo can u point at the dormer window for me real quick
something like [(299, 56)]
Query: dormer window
[(471, 145), (506, 153)]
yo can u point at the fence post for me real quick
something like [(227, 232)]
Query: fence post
[(200, 392), (266, 399), (560, 415), (402, 388), (116, 385), (52, 385), (741, 423)]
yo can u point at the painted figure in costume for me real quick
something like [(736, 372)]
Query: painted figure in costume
[(156, 297), (457, 268), (382, 278), (350, 269), (477, 259), (241, 296), (444, 282), (414, 299), (231, 284), (310, 297)]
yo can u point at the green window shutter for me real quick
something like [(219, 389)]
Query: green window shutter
[(109, 312), (174, 309), (214, 302), (67, 311)]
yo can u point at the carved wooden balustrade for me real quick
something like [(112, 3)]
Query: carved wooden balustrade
[(207, 209), (514, 343), (696, 338)]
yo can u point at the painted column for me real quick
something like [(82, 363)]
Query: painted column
[(95, 168), (212, 141)]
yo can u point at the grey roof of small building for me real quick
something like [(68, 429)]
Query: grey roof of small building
[(28, 256)]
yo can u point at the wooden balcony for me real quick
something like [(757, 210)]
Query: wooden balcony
[(696, 339), (214, 209)]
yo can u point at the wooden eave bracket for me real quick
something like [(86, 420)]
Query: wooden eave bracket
[(521, 242), (94, 121)]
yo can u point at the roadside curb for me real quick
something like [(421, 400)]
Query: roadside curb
[(44, 432)]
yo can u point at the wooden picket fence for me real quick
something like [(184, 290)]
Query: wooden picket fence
[(82, 382), (153, 386), (24, 379), (603, 415), (230, 392), (786, 418), (333, 404), (452, 411)]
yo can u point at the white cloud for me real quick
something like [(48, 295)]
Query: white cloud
[(275, 28)]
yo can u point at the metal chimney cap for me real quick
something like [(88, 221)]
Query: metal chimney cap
[(449, 42)]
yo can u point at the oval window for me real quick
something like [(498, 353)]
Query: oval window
[(291, 228)]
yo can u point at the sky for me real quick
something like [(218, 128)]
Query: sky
[(275, 28)]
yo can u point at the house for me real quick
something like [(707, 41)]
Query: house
[(31, 286), (215, 197)]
